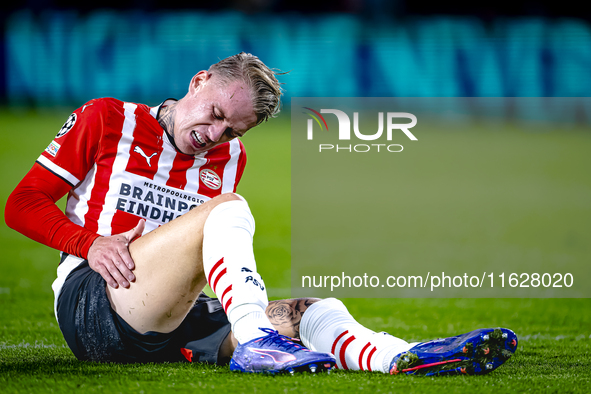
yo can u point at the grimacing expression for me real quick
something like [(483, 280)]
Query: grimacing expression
[(212, 113)]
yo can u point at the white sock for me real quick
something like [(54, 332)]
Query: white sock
[(327, 326), (230, 269)]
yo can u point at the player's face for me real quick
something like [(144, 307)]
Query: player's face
[(212, 113)]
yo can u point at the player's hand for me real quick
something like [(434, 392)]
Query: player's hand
[(109, 256)]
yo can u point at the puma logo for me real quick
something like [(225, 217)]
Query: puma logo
[(139, 150)]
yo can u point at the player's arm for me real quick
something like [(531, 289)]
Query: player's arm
[(31, 210), (109, 256)]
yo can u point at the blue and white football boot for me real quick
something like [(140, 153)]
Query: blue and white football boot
[(475, 353), (275, 353)]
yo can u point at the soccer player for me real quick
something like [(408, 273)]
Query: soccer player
[(152, 217)]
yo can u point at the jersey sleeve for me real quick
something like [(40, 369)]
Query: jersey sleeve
[(72, 153), (31, 210)]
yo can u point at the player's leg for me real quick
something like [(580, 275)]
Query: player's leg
[(169, 272), (323, 327), (210, 244), (231, 273), (285, 315), (320, 325), (327, 326)]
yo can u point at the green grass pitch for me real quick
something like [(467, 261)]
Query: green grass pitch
[(554, 353)]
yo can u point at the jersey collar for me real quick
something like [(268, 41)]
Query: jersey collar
[(155, 111)]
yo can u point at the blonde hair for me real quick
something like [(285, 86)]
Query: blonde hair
[(265, 89)]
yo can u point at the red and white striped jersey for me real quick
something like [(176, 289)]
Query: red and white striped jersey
[(122, 167)]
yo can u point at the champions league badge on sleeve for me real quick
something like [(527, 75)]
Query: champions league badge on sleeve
[(67, 126)]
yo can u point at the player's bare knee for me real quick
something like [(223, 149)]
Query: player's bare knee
[(227, 197), (230, 211), (202, 212), (232, 203)]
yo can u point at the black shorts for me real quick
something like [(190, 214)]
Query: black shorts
[(95, 332)]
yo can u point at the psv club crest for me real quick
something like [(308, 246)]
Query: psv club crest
[(210, 179)]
